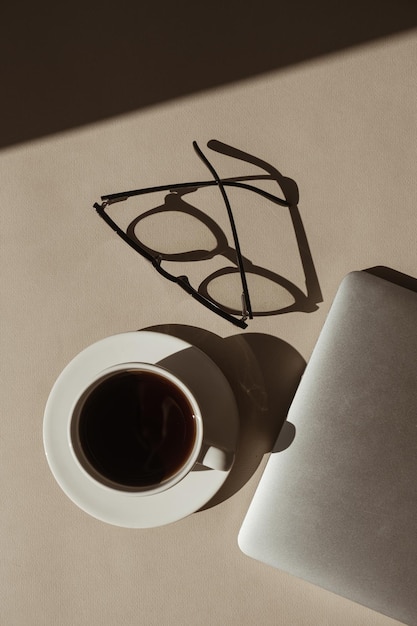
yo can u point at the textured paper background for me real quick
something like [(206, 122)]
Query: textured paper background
[(345, 128)]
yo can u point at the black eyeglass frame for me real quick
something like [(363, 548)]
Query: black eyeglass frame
[(156, 259), (182, 281), (175, 202)]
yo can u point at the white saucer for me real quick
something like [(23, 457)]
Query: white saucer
[(122, 508)]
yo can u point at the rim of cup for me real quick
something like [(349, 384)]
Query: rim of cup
[(94, 474)]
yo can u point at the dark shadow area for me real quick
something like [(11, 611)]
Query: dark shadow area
[(263, 373), (270, 293), (393, 276), (65, 66), (285, 437), (215, 399)]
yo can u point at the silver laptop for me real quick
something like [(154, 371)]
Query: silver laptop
[(338, 507)]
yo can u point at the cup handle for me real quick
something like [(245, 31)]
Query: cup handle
[(216, 458)]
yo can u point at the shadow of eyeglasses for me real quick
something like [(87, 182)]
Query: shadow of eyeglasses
[(175, 202), (242, 267)]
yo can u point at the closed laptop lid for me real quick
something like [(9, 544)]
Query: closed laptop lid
[(338, 507)]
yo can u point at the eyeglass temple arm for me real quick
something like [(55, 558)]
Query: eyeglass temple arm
[(247, 309), (312, 282), (194, 186), (235, 153)]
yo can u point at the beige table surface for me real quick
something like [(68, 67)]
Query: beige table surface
[(344, 127)]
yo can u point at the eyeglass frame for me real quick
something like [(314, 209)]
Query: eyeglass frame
[(182, 280)]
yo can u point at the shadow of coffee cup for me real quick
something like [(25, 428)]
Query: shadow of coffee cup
[(139, 428)]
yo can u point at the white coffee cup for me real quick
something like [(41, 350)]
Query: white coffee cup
[(137, 428)]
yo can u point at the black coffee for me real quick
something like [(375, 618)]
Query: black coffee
[(136, 429)]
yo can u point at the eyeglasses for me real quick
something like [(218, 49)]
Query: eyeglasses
[(146, 233)]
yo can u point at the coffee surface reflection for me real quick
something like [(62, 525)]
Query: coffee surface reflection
[(135, 429)]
